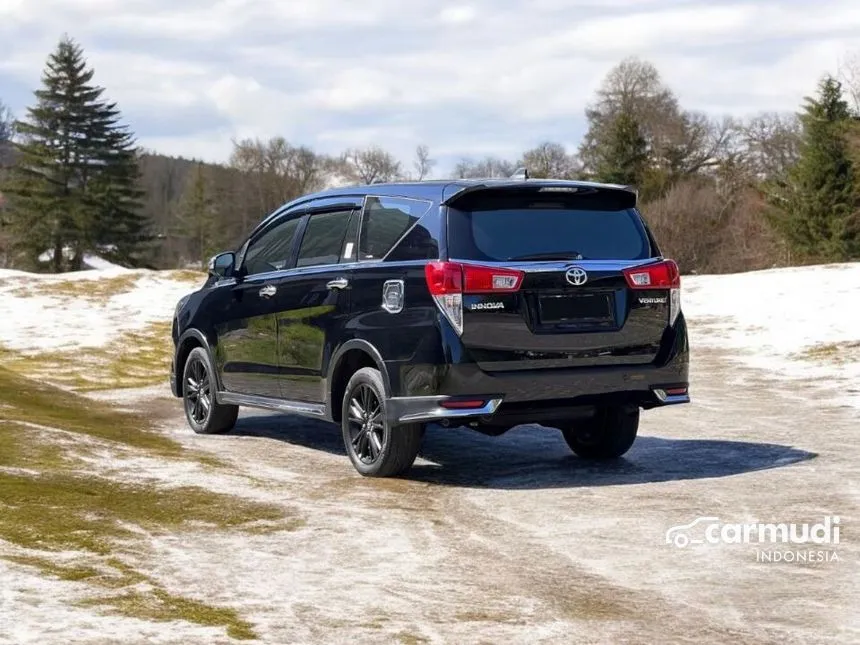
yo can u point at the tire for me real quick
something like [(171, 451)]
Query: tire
[(204, 414), (608, 435), (375, 448)]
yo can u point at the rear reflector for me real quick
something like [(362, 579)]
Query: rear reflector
[(676, 391), (661, 275), (463, 405)]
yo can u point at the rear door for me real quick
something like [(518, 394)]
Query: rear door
[(570, 248), (314, 297)]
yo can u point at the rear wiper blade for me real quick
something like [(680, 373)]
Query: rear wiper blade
[(554, 255)]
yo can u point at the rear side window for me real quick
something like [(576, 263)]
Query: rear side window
[(385, 221), (324, 238), (546, 231)]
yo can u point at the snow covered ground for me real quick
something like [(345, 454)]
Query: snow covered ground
[(70, 311), (796, 323)]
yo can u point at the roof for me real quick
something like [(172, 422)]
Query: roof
[(439, 190), (443, 188)]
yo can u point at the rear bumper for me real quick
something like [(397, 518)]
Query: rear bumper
[(539, 398), (418, 389), (424, 409)]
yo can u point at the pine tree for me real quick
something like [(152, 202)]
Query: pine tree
[(622, 158), (197, 217), (74, 187), (820, 204)]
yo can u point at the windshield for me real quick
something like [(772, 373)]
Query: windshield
[(546, 234)]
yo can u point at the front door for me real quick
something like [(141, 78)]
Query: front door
[(246, 353)]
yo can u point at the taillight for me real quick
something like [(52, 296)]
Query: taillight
[(660, 275), (453, 277), (490, 279), (448, 281)]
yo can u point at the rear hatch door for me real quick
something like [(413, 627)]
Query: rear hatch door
[(574, 306)]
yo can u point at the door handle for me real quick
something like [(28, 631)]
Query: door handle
[(268, 291), (338, 283)]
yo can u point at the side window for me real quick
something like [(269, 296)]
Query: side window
[(385, 221), (420, 243), (271, 251), (323, 240)]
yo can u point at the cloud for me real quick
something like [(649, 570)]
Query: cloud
[(467, 78), (458, 15)]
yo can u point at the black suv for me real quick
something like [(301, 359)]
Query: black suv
[(484, 303)]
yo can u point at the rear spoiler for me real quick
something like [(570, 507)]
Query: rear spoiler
[(608, 196)]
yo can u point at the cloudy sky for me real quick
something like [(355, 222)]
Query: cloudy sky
[(467, 78)]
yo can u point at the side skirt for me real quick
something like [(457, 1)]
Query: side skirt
[(314, 410)]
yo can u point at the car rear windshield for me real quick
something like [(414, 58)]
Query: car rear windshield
[(546, 232)]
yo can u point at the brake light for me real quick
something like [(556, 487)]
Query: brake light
[(454, 277), (449, 281), (661, 275)]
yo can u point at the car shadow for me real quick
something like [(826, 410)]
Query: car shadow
[(291, 429), (532, 457)]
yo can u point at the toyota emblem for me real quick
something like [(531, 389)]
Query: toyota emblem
[(576, 276)]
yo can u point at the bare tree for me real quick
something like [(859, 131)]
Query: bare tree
[(7, 130), (679, 142), (7, 122), (372, 165), (487, 168), (849, 74), (550, 160), (423, 163), (708, 231), (769, 144), (278, 170)]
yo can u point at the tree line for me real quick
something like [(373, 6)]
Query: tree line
[(729, 194)]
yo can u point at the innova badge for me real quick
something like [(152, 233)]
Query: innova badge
[(576, 276)]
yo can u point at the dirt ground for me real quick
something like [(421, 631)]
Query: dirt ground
[(513, 539)]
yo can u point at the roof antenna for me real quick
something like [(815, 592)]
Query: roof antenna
[(521, 173)]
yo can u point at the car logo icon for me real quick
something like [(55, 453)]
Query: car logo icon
[(576, 276)]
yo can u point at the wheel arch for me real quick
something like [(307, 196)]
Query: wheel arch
[(190, 340), (348, 359)]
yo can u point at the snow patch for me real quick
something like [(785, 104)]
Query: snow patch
[(45, 610), (34, 322), (772, 319)]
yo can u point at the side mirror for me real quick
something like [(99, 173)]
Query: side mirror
[(221, 266)]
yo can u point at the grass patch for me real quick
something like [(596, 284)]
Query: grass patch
[(187, 275), (94, 517), (62, 511), (844, 352), (63, 508), (135, 359), (16, 451), (68, 572), (160, 605), (147, 601), (94, 290), (26, 400)]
